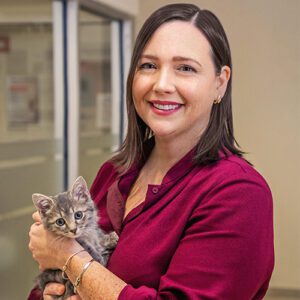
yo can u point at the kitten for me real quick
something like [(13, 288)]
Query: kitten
[(74, 215)]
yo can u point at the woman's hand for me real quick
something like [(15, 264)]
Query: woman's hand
[(56, 289), (48, 249)]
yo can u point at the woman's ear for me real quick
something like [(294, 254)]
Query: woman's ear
[(223, 79)]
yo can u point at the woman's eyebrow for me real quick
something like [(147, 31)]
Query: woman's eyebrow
[(149, 56), (182, 58), (175, 58)]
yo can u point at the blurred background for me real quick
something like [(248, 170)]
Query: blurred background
[(63, 66)]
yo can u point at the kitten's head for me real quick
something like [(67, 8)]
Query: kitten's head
[(67, 213)]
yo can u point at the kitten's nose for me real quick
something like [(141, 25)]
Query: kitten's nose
[(73, 230)]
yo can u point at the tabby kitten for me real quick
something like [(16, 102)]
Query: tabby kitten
[(74, 215)]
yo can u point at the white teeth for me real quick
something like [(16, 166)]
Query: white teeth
[(165, 107)]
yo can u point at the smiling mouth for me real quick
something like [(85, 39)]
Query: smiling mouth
[(166, 107)]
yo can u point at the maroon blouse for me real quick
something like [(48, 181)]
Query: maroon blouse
[(204, 233)]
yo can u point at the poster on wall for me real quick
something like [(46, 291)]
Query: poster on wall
[(22, 100)]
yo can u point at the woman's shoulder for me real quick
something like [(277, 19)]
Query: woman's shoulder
[(235, 186), (233, 169)]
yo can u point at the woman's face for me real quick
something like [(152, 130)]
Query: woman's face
[(175, 83)]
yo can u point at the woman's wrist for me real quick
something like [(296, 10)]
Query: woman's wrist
[(91, 279), (69, 248), (66, 265), (77, 264)]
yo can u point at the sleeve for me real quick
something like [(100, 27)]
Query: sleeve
[(106, 176), (35, 294), (226, 251)]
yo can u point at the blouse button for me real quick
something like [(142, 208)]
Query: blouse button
[(155, 190)]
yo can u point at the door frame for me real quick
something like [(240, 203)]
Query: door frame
[(66, 73)]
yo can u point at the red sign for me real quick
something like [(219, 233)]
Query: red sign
[(4, 44)]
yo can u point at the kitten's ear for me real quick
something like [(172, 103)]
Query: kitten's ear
[(80, 189), (42, 203)]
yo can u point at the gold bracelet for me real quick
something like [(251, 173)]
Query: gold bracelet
[(79, 278), (63, 274)]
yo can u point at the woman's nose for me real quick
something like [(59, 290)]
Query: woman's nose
[(164, 82)]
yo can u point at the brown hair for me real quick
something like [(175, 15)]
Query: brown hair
[(218, 135)]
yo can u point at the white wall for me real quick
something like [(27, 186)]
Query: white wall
[(265, 42)]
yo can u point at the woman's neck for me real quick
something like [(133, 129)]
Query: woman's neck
[(171, 151), (163, 156)]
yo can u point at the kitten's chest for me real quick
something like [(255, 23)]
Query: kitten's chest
[(90, 238)]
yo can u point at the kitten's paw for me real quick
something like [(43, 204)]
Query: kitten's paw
[(110, 240), (114, 238)]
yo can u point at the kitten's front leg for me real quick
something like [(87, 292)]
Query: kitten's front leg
[(109, 243), (110, 240)]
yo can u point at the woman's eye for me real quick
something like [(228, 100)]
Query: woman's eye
[(78, 215), (187, 68), (146, 66), (60, 222)]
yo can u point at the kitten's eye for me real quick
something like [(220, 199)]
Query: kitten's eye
[(78, 215), (60, 222)]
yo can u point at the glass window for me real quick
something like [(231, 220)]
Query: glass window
[(30, 155), (32, 116), (96, 137)]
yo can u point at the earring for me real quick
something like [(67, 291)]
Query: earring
[(218, 100)]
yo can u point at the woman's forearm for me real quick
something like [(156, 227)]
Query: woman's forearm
[(97, 281)]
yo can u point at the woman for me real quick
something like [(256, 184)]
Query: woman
[(194, 219)]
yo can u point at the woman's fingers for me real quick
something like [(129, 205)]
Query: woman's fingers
[(36, 217), (53, 289), (31, 231), (56, 289)]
